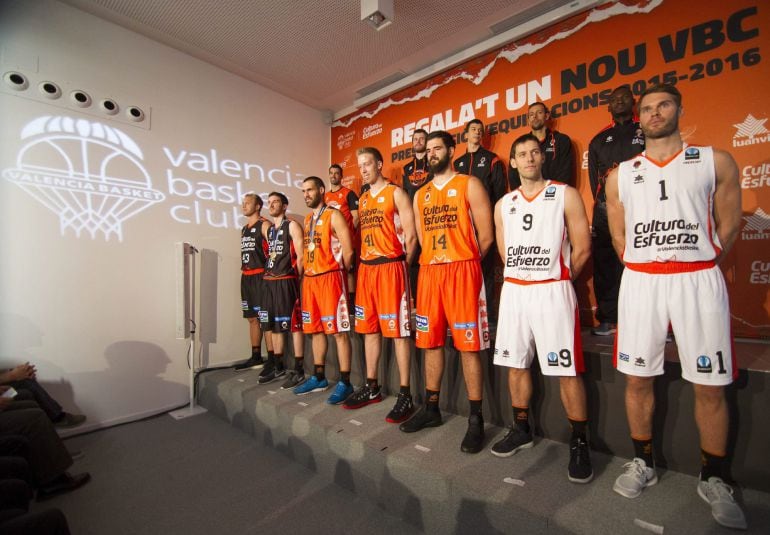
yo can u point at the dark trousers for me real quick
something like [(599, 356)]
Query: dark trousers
[(608, 269), (47, 456), (41, 397)]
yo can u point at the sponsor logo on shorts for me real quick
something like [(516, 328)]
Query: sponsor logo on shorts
[(691, 154), (623, 357), (496, 351), (330, 325), (506, 353), (421, 323), (553, 359), (384, 317), (284, 324), (305, 317), (327, 318), (468, 325), (406, 326), (469, 334), (704, 364), (485, 336), (359, 312), (550, 192), (345, 325), (263, 316), (244, 305), (640, 362), (391, 324)]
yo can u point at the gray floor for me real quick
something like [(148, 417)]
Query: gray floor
[(202, 476)]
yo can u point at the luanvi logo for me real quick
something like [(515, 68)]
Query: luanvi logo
[(757, 226), (750, 132), (89, 174)]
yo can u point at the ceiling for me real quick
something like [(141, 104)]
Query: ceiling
[(319, 52)]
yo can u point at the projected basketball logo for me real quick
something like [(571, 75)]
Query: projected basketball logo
[(88, 173)]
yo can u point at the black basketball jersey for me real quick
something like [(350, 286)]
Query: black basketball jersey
[(282, 258), (253, 247)]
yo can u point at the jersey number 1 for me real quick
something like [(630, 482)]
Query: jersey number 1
[(663, 196)]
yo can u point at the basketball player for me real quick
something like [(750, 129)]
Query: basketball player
[(346, 201), (282, 270), (454, 227), (544, 241), (328, 255), (674, 212), (383, 300), (253, 249)]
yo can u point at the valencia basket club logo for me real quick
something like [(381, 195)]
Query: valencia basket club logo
[(89, 174)]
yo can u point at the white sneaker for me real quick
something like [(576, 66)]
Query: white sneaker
[(724, 508), (636, 477)]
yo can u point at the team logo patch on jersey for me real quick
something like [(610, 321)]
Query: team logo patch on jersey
[(550, 192), (704, 364), (305, 317), (623, 357), (608, 139), (553, 359), (380, 199), (639, 179), (451, 193), (482, 161), (461, 164), (637, 164), (421, 323), (691, 154), (359, 312)]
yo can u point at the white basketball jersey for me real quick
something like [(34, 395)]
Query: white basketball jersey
[(536, 243), (669, 207)]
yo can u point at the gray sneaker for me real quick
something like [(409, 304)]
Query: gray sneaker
[(724, 508), (636, 477), (295, 378)]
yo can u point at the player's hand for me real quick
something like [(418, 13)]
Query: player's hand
[(23, 371)]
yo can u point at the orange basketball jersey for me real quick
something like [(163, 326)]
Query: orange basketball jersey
[(443, 214), (381, 233), (324, 252)]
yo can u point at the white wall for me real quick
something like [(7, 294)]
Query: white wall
[(96, 314)]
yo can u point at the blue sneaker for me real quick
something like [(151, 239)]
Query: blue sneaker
[(340, 394), (312, 385)]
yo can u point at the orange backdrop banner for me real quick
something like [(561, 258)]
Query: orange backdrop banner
[(716, 54)]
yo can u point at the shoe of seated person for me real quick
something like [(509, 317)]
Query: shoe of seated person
[(64, 483), (67, 420)]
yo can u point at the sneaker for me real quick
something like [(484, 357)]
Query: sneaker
[(313, 384), (362, 397), (340, 394), (401, 410), (636, 477), (67, 420), (579, 470), (473, 441), (294, 379), (272, 374), (267, 369), (252, 363), (604, 329), (724, 508), (514, 440), (424, 418)]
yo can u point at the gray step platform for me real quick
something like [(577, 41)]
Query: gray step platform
[(425, 479)]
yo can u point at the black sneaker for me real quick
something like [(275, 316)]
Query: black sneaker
[(579, 470), (474, 436), (295, 378), (362, 397), (514, 440), (401, 410), (253, 362), (424, 418), (267, 369)]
